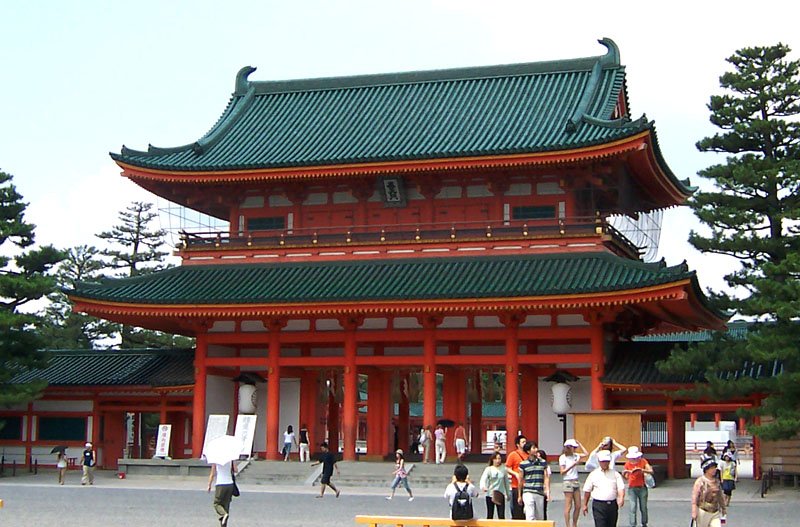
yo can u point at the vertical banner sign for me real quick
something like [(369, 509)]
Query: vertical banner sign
[(217, 427), (246, 432), (162, 443)]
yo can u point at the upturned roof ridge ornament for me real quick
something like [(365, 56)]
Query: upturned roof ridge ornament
[(242, 84)]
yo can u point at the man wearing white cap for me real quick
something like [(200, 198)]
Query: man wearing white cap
[(607, 491), (89, 460), (568, 465), (634, 471)]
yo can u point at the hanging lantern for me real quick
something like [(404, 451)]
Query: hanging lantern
[(561, 391), (561, 397), (247, 398)]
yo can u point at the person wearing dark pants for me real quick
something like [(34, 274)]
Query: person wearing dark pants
[(606, 489), (513, 461), (221, 477)]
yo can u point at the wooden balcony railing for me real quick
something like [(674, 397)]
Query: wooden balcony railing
[(371, 235)]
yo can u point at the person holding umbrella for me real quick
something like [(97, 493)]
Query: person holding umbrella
[(221, 453), (61, 462)]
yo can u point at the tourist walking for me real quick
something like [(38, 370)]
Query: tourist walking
[(606, 489), (400, 475), (568, 467), (543, 456), (305, 454), (441, 446), (729, 476), (89, 460), (535, 483), (328, 462), (513, 461), (730, 448), (61, 466), (708, 502), (288, 440), (221, 477), (634, 471), (460, 442), (494, 482), (426, 440)]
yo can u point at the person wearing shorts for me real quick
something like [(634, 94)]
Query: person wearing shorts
[(568, 466)]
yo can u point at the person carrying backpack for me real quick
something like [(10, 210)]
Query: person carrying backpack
[(459, 494)]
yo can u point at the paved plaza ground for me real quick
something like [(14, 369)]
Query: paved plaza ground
[(36, 500)]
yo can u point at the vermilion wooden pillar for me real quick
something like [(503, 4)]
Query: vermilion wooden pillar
[(403, 418), (676, 439), (274, 390), (199, 399), (529, 388), (598, 366), (333, 424), (429, 372), (375, 414), (450, 387), (309, 395), (512, 377), (350, 403), (476, 417)]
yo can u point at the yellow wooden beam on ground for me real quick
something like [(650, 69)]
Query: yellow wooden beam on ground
[(403, 521)]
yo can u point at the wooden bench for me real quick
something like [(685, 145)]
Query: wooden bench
[(402, 521)]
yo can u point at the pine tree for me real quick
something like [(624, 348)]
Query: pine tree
[(752, 215), (23, 278), (136, 249), (64, 328)]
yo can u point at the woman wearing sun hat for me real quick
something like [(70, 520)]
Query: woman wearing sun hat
[(634, 471), (708, 502), (568, 465), (400, 475)]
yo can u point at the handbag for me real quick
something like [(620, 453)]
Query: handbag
[(649, 481), (236, 492), (498, 498)]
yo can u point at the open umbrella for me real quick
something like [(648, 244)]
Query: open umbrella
[(223, 449), (447, 423), (59, 448)]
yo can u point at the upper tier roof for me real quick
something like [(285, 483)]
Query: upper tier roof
[(457, 113)]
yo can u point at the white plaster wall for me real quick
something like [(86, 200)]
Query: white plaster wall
[(290, 408), (63, 406), (219, 398), (290, 412), (550, 428)]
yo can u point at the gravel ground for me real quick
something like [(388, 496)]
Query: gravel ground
[(36, 501)]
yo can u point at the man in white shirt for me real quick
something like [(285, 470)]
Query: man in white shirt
[(605, 487)]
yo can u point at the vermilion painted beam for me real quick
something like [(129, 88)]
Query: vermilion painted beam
[(560, 334), (238, 361)]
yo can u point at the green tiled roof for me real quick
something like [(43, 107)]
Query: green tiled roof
[(441, 278), (634, 363), (479, 111), (115, 368)]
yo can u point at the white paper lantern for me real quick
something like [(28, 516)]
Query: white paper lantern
[(561, 397), (247, 399)]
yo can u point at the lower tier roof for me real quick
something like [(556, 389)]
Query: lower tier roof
[(393, 286)]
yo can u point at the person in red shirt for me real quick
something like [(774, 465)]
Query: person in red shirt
[(635, 469), (512, 464)]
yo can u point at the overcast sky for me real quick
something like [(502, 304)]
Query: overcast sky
[(81, 78)]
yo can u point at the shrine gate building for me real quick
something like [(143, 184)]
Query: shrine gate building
[(445, 236)]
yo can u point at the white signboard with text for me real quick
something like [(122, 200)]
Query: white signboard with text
[(246, 432), (217, 427), (162, 441)]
